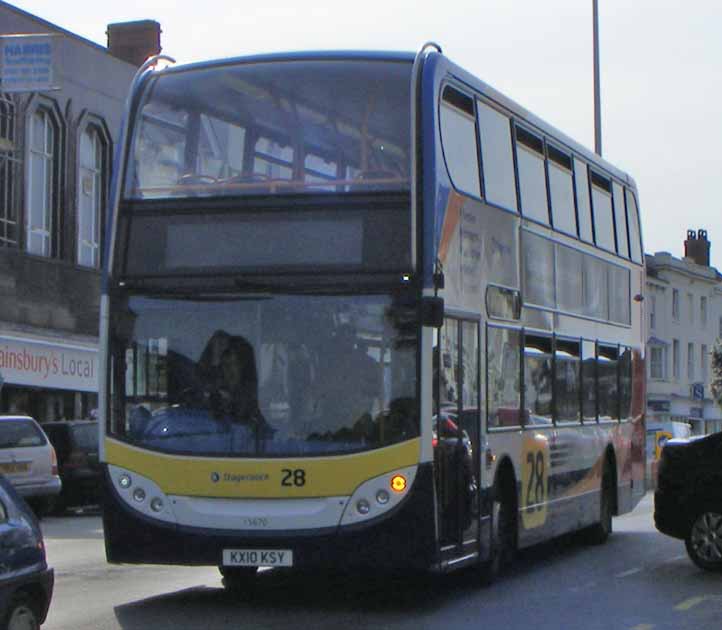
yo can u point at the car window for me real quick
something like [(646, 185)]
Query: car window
[(20, 433), (3, 512), (86, 436)]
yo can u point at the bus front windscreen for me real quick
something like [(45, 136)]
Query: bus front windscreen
[(276, 127), (262, 374)]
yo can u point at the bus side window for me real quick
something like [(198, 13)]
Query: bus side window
[(607, 359), (458, 137), (584, 210), (567, 386), (589, 382), (625, 384), (635, 245), (503, 377), (532, 176), (497, 157), (538, 379)]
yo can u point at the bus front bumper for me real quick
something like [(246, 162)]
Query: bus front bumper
[(403, 538)]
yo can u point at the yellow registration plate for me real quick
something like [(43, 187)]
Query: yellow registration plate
[(14, 467)]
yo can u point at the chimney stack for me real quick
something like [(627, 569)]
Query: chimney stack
[(697, 247), (134, 42)]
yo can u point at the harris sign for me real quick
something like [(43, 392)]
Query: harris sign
[(46, 364)]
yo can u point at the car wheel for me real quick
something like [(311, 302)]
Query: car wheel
[(238, 579), (20, 615), (704, 541), (42, 506)]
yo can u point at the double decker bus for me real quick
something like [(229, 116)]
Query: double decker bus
[(362, 310)]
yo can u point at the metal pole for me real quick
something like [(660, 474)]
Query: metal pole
[(597, 98)]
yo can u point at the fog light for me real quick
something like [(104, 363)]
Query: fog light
[(139, 495), (382, 497), (156, 504), (363, 506), (125, 481)]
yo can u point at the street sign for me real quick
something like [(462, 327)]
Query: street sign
[(27, 63)]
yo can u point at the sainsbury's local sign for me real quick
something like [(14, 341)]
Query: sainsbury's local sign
[(45, 364)]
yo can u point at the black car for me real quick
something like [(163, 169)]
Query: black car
[(76, 445), (26, 582), (688, 499)]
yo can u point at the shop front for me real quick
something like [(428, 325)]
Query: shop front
[(48, 379)]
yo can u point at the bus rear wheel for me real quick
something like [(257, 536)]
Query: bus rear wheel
[(598, 533), (238, 579)]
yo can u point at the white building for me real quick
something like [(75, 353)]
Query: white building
[(684, 317)]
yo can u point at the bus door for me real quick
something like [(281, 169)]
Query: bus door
[(456, 432)]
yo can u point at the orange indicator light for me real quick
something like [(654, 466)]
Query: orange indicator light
[(398, 483)]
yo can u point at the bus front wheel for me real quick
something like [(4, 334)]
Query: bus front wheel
[(502, 544)]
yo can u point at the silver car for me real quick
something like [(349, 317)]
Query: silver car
[(28, 461)]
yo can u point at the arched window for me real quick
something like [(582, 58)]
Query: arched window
[(91, 194), (42, 194), (9, 165)]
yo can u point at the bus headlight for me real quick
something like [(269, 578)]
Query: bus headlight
[(373, 497), (141, 494)]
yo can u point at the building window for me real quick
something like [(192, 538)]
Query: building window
[(652, 312), (690, 361), (91, 195), (690, 307), (703, 310), (675, 304), (703, 362), (9, 170), (42, 182), (675, 359), (656, 364)]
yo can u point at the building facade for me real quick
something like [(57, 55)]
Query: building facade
[(56, 152), (684, 318)]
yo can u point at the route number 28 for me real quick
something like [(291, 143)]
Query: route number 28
[(536, 486), (293, 477)]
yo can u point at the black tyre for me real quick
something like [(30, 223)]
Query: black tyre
[(704, 541), (20, 615), (238, 579), (503, 536), (42, 506), (598, 533)]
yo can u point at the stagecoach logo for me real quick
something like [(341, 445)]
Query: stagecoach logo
[(237, 478)]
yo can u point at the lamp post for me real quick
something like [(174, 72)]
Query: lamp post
[(597, 98)]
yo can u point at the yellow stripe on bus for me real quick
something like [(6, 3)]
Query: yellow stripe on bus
[(329, 476)]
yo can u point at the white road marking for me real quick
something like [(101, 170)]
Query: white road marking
[(628, 573)]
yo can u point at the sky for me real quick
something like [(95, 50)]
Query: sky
[(661, 71)]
